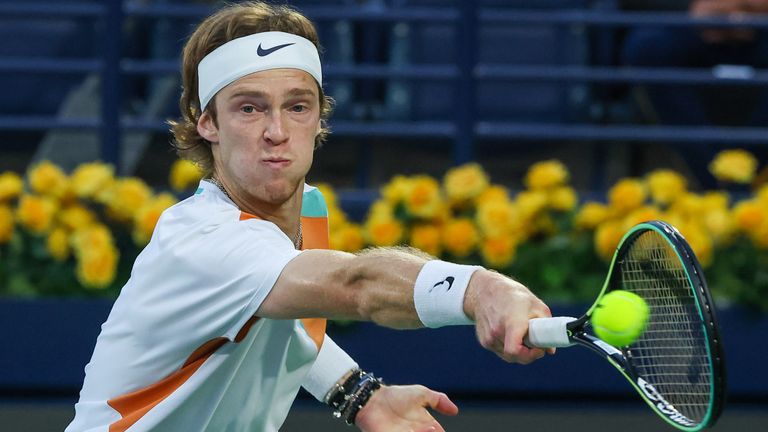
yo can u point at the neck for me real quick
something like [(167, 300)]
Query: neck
[(286, 215)]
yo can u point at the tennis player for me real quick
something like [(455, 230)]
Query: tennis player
[(211, 331)]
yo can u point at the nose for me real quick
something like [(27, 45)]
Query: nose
[(275, 132)]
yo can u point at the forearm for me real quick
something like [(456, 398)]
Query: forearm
[(384, 280)]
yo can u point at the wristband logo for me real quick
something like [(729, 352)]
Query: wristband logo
[(449, 280)]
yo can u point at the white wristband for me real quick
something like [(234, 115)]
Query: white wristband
[(331, 365), (439, 293)]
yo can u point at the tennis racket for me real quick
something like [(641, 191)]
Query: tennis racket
[(677, 364)]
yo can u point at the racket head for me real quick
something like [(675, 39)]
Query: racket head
[(677, 365)]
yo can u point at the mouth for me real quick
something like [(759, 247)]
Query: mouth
[(276, 162)]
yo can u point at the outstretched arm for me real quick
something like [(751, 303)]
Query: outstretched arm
[(378, 285)]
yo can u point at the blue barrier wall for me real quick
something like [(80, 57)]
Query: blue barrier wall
[(50, 341)]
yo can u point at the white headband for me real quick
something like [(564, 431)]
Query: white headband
[(254, 53)]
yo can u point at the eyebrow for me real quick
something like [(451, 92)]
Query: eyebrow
[(294, 92)]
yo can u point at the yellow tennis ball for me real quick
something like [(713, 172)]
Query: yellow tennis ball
[(620, 318)]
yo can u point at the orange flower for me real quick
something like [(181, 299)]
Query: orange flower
[(36, 213), (347, 238), (749, 215), (607, 238), (498, 252), (426, 238), (97, 268), (497, 218), (6, 224), (395, 191), (76, 217), (422, 197), (96, 236), (460, 237), (145, 219), (383, 231)]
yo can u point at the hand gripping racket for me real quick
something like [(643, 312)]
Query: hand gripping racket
[(677, 364)]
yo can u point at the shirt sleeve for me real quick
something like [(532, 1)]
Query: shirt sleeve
[(209, 282), (331, 365)]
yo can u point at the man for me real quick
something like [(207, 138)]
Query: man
[(210, 331)]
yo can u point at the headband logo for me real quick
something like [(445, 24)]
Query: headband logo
[(265, 52)]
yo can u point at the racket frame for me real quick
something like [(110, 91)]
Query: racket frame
[(619, 357)]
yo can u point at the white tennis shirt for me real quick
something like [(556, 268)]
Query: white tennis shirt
[(181, 349)]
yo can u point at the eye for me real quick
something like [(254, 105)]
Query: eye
[(248, 109), (298, 108)]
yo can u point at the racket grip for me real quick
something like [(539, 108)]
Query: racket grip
[(548, 332)]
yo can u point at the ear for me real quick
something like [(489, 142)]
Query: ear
[(207, 129)]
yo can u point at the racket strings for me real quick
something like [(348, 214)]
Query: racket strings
[(671, 354)]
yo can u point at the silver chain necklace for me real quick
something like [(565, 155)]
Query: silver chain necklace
[(298, 241)]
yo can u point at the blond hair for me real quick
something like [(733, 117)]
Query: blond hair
[(232, 22)]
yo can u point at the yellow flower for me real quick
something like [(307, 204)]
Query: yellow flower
[(562, 198), (460, 237), (36, 213), (700, 241), (347, 238), (329, 195), (665, 186), (642, 214), (530, 203), (498, 252), (127, 196), (89, 180), (591, 215), (713, 200), (493, 193), (184, 174), (381, 208), (737, 166), (96, 268), (423, 197), (719, 223), (76, 217), (145, 219), (6, 224), (11, 185), (465, 182), (497, 218), (627, 194), (96, 236), (383, 231), (395, 191), (607, 238), (57, 244), (427, 239), (47, 179), (749, 215), (336, 218), (546, 175)]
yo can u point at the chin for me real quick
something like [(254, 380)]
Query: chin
[(280, 191)]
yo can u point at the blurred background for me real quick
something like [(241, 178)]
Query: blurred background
[(526, 136)]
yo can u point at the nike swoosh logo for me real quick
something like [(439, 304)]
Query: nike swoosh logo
[(448, 280), (261, 52)]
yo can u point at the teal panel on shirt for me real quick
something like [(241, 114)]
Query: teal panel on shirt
[(313, 204)]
